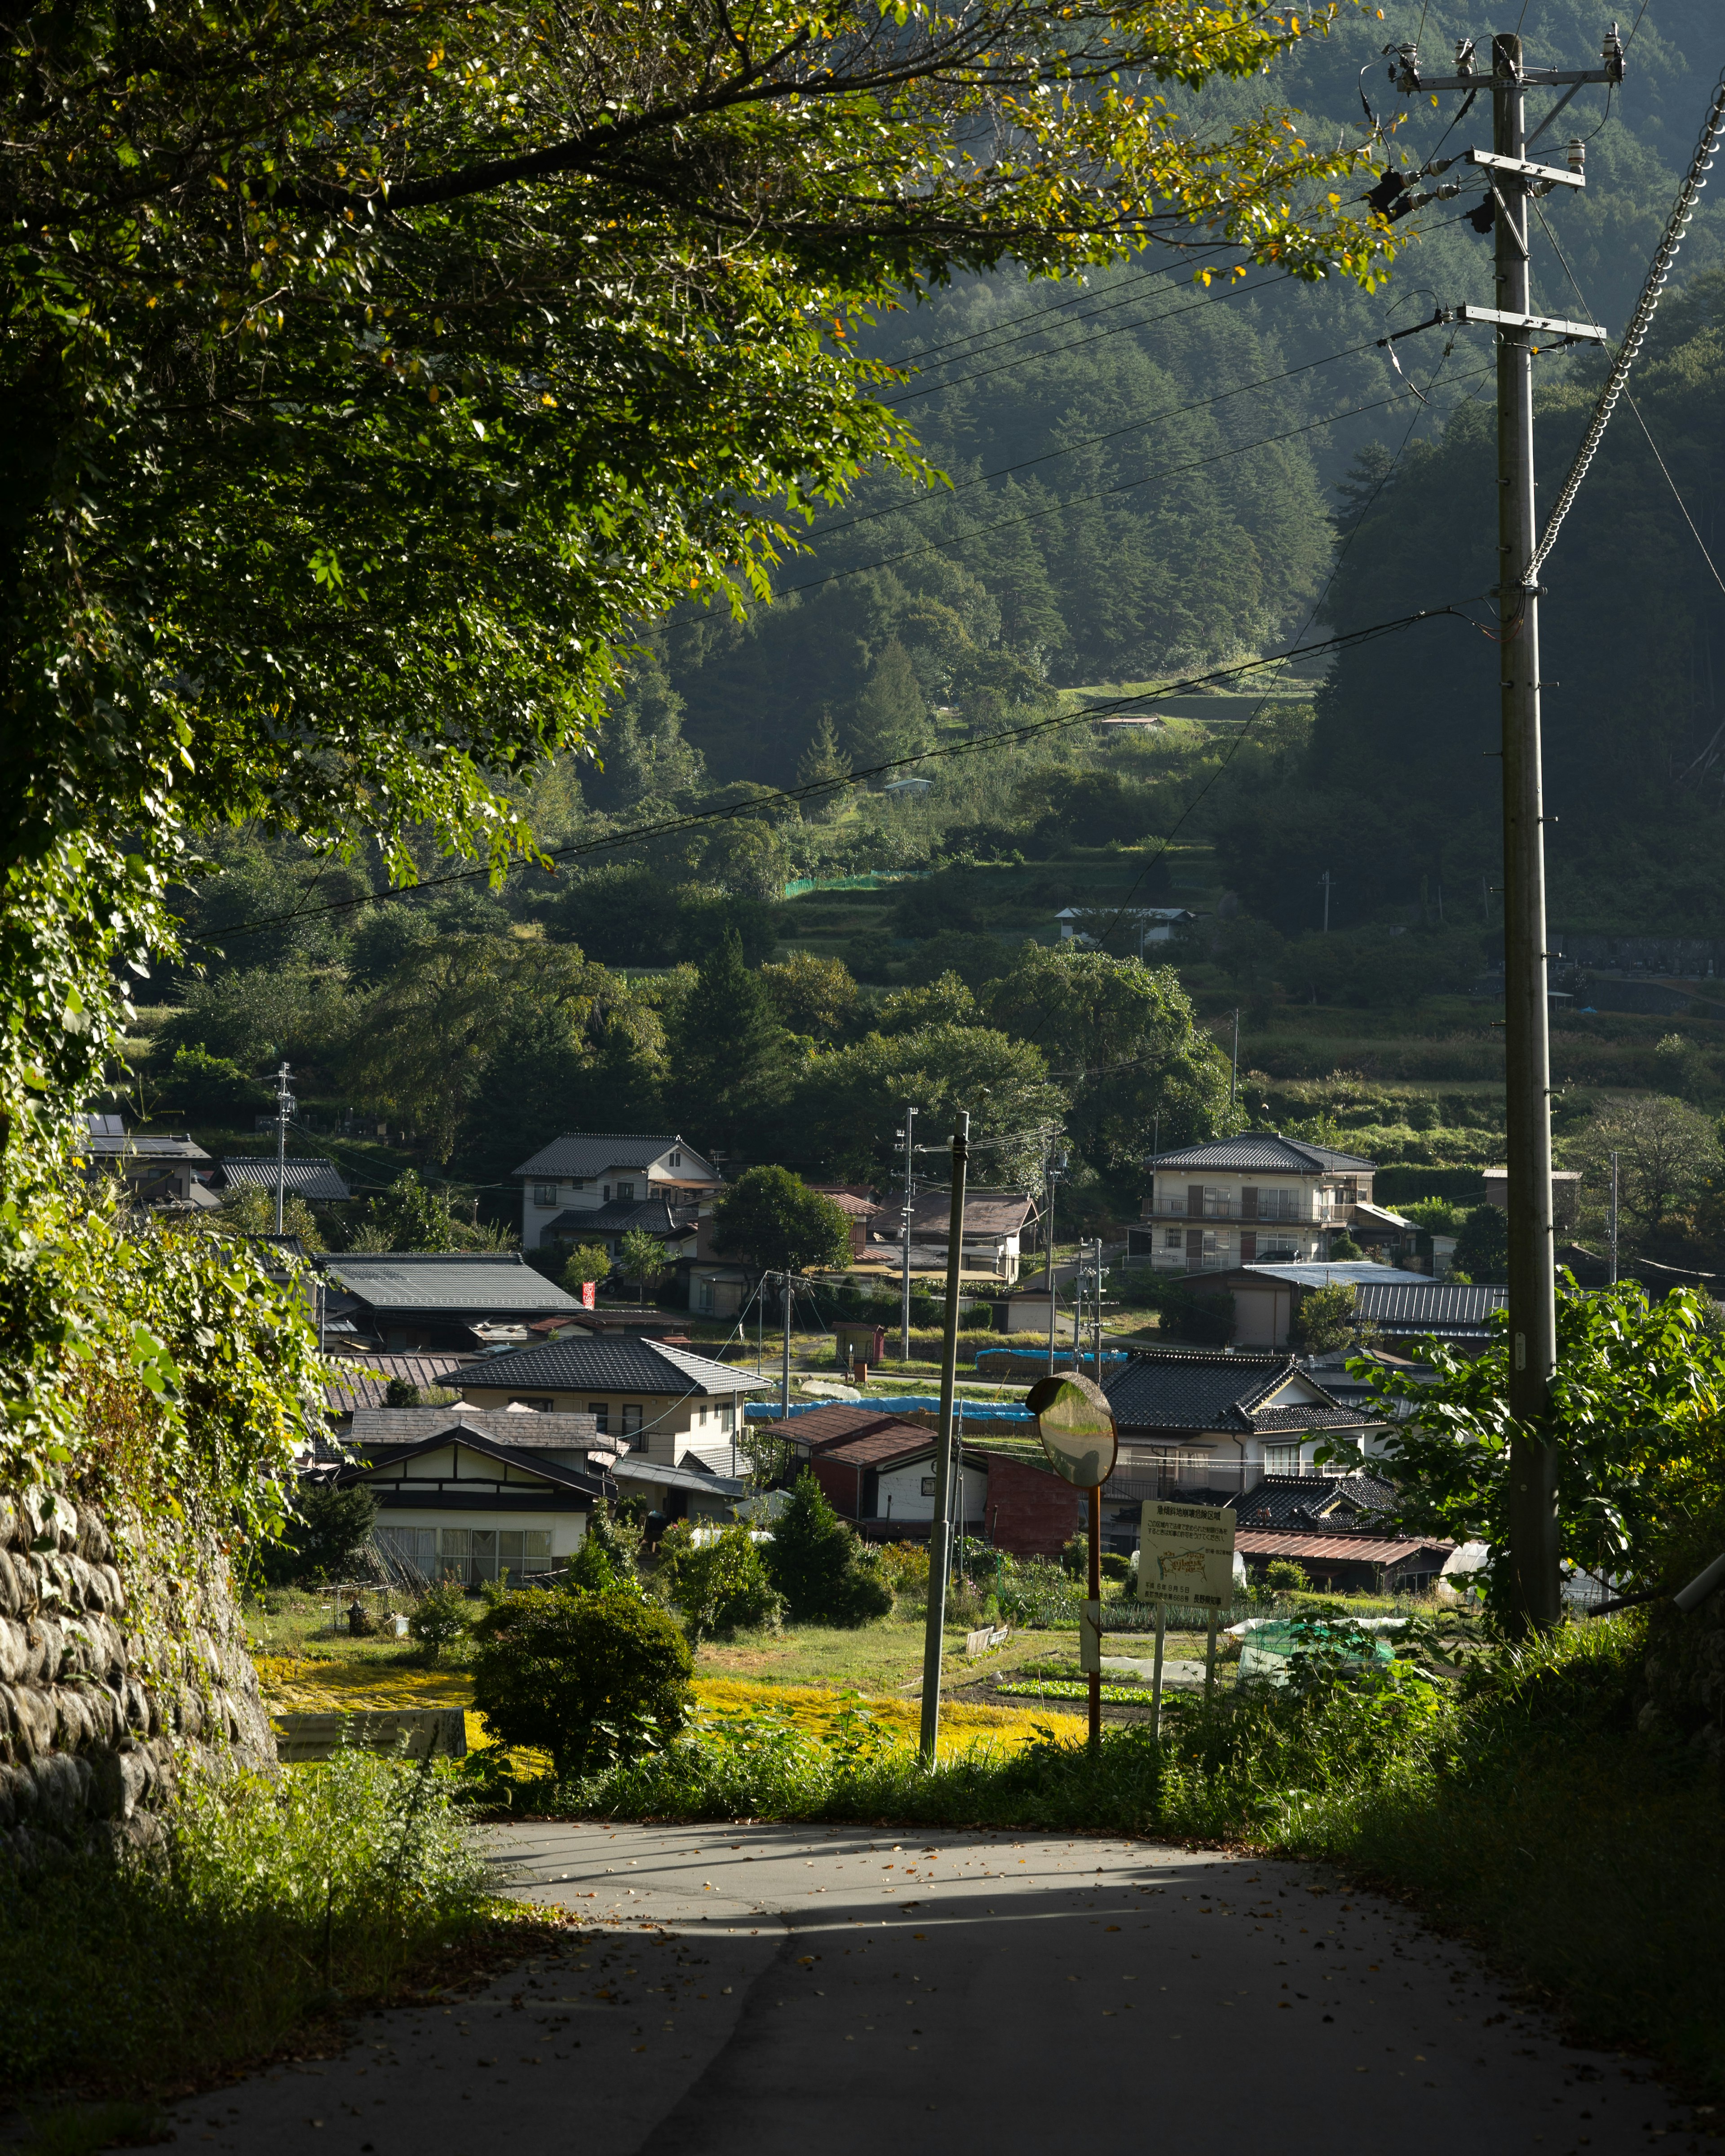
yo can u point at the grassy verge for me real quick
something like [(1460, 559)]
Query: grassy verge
[(270, 1903), (1519, 1808)]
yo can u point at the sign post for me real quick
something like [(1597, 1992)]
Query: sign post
[(1076, 1426), (1185, 1555)]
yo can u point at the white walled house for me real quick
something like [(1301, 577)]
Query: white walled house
[(579, 1187), (658, 1402), (1257, 1199)]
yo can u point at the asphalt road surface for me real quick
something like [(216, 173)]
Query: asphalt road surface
[(837, 1992)]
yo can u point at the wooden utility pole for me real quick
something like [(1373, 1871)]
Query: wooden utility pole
[(940, 1532), (1531, 1597)]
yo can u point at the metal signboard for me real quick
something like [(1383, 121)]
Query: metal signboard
[(1186, 1554)]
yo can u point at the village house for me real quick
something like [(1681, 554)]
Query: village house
[(156, 1170), (1337, 1529), (1081, 926), (457, 1502), (1257, 1198), (593, 1186), (309, 1176), (997, 1224), (664, 1404), (1188, 1419), (1398, 1306), (404, 1301)]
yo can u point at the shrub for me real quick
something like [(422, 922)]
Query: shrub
[(439, 1619), (588, 1678), (333, 1526), (814, 1561), (723, 1587), (1281, 1572), (904, 1567)]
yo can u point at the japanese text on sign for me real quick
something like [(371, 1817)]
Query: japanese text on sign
[(1186, 1554)]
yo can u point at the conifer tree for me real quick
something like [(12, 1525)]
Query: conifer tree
[(814, 1561)]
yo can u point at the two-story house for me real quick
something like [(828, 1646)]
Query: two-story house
[(592, 1186), (1255, 1199)]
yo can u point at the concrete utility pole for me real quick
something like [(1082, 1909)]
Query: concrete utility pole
[(909, 1135), (1532, 1600), (784, 1389), (1614, 1219), (1234, 1076), (284, 1105), (1052, 1166), (1325, 880), (940, 1532)]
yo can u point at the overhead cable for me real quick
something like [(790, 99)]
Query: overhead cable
[(1641, 321), (730, 812)]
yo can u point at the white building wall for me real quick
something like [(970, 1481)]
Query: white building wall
[(909, 1501)]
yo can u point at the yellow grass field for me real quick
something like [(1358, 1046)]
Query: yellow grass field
[(291, 1685)]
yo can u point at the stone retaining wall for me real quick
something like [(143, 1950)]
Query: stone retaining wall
[(111, 1674)]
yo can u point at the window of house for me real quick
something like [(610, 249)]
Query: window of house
[(600, 1410), (728, 1416), (1282, 1459), (1173, 1238), (539, 1407), (704, 1297), (413, 1548), (469, 1555), (1218, 1200), (928, 1486), (674, 1161), (625, 1190), (545, 1193), (632, 1418)]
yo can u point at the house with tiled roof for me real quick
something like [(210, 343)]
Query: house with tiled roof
[(666, 1402), (1401, 1308), (1192, 1420), (1257, 1198), (406, 1301), (585, 1186), (1340, 1530), (309, 1176)]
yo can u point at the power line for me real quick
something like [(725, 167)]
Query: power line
[(1105, 494), (670, 825), (1641, 321), (1091, 441)]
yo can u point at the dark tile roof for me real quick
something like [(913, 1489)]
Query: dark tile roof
[(1306, 1501), (518, 1428), (681, 1478), (497, 1283), (554, 1471), (1167, 1389), (1273, 1422), (365, 1385), (986, 1212), (618, 1364), (308, 1176), (1264, 1151), (1326, 1272), (581, 1154), (656, 1214)]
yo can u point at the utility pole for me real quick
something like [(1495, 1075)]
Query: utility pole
[(1614, 1219), (1052, 1165), (284, 1108), (1533, 1600), (909, 1135), (939, 1535), (784, 1388), (1234, 1077), (1325, 880)]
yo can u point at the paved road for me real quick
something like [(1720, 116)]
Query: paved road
[(777, 1990)]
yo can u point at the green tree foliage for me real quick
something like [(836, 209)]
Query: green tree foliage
[(642, 1259), (1326, 1319), (843, 1109), (1124, 1040), (815, 1562), (822, 760), (330, 1529), (587, 1677), (725, 1047), (1637, 1426), (1481, 1250), (1666, 1151), (723, 1586), (439, 1619), (211, 1089), (891, 719), (813, 996), (249, 1209), (770, 1219), (590, 1261), (440, 522), (414, 1215), (643, 757)]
